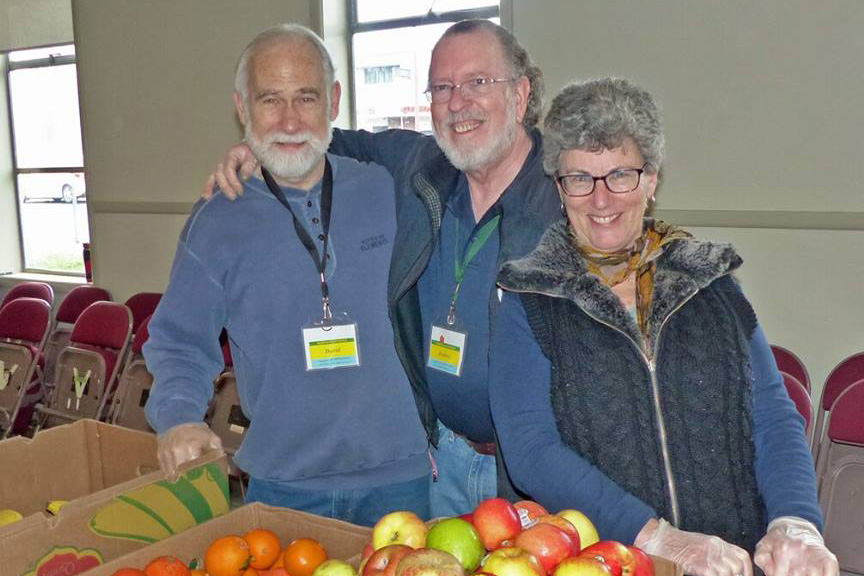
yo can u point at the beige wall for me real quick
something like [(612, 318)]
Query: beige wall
[(31, 23), (764, 122), (156, 79)]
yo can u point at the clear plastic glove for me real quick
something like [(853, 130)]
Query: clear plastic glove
[(698, 554), (238, 165), (183, 443), (793, 546)]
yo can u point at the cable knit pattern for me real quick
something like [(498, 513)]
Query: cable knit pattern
[(601, 387)]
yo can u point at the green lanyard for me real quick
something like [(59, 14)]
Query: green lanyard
[(477, 242)]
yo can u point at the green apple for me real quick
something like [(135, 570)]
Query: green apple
[(460, 539), (8, 516), (334, 568)]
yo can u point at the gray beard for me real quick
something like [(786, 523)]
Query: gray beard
[(478, 157), (288, 166)]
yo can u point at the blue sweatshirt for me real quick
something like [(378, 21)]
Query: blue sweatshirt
[(241, 266), (558, 477)]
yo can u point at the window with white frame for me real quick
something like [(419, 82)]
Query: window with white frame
[(48, 158), (391, 45)]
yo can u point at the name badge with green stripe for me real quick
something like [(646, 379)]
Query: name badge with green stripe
[(331, 346), (446, 350)]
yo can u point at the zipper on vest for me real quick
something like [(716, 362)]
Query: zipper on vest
[(664, 445)]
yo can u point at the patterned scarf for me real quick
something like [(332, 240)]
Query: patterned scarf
[(615, 267)]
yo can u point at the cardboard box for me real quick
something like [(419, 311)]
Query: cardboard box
[(118, 499), (342, 540)]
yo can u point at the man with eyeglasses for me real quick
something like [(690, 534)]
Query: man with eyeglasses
[(468, 200)]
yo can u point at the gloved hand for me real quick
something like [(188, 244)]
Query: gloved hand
[(698, 554), (793, 546), (183, 443), (237, 166)]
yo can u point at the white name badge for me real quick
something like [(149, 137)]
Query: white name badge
[(334, 346), (446, 350)]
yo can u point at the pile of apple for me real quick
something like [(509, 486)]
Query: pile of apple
[(498, 539)]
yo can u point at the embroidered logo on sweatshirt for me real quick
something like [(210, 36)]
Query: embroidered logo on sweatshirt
[(373, 242)]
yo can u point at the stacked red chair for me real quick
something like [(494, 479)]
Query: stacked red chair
[(802, 401), (70, 308), (87, 369), (142, 305), (134, 388), (840, 495), (847, 372), (39, 290), (24, 324), (789, 362)]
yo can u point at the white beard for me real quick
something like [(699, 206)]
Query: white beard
[(290, 166), (480, 156)]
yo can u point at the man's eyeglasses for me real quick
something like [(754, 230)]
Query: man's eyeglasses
[(619, 181), (441, 93)]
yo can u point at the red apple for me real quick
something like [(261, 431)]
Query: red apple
[(582, 566), (564, 525), (367, 551), (429, 562), (587, 531), (459, 538), (529, 511), (383, 561), (512, 561), (550, 545), (496, 520), (644, 564), (468, 517), (401, 527), (612, 551)]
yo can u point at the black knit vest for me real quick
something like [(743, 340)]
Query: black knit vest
[(601, 394)]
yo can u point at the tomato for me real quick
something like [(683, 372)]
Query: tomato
[(227, 556), (264, 546), (302, 556)]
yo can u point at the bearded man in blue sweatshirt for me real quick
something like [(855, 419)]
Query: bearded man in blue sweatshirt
[(296, 272)]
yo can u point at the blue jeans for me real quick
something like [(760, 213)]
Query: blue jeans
[(361, 506), (465, 478)]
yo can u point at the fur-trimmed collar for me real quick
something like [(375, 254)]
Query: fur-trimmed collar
[(555, 268)]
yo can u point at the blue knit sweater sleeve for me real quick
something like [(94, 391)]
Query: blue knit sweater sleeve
[(541, 465), (784, 466)]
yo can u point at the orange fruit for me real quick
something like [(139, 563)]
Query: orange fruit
[(264, 546), (196, 572), (302, 556), (250, 572), (227, 556), (129, 572), (166, 566)]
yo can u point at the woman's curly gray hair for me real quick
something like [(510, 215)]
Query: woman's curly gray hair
[(600, 114), (517, 57)]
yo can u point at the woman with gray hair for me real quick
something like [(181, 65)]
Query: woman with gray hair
[(629, 377)]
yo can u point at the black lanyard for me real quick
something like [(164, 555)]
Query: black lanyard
[(303, 234)]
